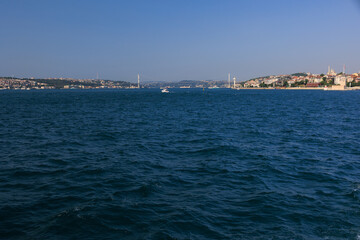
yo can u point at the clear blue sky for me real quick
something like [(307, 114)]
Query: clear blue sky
[(170, 40)]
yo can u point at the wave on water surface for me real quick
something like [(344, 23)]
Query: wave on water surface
[(194, 164)]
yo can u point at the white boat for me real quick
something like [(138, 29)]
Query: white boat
[(165, 90)]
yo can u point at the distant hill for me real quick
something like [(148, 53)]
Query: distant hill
[(187, 83), (60, 83)]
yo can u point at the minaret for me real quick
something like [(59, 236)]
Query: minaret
[(229, 80), (138, 81), (329, 69), (344, 68), (234, 78)]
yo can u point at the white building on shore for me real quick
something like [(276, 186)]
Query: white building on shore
[(340, 80)]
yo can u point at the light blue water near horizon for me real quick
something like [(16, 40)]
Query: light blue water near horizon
[(192, 164)]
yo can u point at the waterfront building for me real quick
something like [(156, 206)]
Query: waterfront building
[(317, 79), (270, 80), (340, 80), (252, 83)]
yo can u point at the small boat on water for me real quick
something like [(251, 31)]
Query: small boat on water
[(165, 90)]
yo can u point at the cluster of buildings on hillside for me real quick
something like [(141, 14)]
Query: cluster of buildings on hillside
[(331, 78), (59, 83), (18, 84)]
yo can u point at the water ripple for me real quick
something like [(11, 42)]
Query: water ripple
[(191, 165)]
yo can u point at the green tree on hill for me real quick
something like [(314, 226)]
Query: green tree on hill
[(323, 82), (263, 85), (299, 74)]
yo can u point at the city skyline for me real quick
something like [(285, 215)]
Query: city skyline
[(171, 41)]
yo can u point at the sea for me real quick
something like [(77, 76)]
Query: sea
[(189, 164)]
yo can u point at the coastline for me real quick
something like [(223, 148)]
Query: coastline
[(337, 88), (303, 88)]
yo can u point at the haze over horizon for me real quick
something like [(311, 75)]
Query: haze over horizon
[(177, 40)]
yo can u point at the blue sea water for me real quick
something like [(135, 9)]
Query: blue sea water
[(191, 164)]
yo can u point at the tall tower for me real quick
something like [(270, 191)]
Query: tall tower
[(138, 80), (229, 80), (234, 78), (344, 69)]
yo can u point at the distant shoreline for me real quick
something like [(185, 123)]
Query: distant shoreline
[(303, 88), (255, 88)]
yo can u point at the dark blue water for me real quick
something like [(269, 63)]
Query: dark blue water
[(218, 164)]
